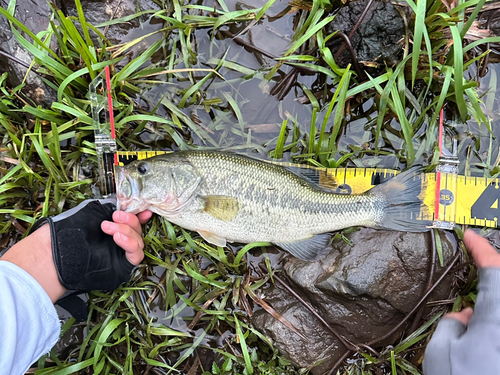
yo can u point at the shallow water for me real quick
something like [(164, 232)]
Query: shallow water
[(258, 127)]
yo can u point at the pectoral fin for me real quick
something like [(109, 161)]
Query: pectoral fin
[(212, 238), (314, 248), (221, 207)]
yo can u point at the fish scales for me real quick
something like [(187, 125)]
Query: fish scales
[(274, 201), (230, 197)]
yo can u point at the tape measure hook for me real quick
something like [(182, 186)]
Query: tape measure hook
[(103, 123)]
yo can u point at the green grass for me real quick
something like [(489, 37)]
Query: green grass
[(199, 99)]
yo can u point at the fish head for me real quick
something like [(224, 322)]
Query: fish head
[(163, 185)]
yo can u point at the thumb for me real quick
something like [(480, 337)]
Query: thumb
[(484, 254), (449, 328), (462, 316), (437, 354)]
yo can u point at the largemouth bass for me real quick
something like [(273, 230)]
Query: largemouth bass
[(227, 197)]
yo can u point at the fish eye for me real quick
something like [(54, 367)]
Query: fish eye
[(143, 168)]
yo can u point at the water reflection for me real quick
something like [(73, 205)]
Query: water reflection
[(260, 115)]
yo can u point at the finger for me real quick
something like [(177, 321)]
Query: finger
[(112, 228), (462, 316), (127, 238), (127, 218), (483, 253), (144, 216), (437, 353), (132, 246)]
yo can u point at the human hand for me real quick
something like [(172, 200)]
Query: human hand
[(89, 247), (127, 233), (465, 342)]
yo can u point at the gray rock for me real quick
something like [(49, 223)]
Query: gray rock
[(35, 16), (363, 291), (378, 37)]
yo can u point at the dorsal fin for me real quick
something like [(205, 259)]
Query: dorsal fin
[(319, 177)]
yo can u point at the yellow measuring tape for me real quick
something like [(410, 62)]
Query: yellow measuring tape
[(462, 199)]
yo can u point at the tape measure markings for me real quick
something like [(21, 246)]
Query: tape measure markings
[(444, 205)]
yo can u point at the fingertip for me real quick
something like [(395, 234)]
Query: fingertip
[(469, 311), (121, 217), (468, 233), (135, 258), (105, 226), (463, 316), (470, 238), (133, 247), (144, 216), (133, 251), (483, 253)]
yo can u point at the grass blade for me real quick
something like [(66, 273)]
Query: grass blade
[(135, 64), (81, 72), (458, 65), (339, 113), (241, 339), (278, 151), (19, 24), (330, 109), (405, 125), (83, 23), (417, 36)]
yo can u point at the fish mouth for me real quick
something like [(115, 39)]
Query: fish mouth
[(126, 189)]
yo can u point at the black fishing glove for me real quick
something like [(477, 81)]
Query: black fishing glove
[(85, 257)]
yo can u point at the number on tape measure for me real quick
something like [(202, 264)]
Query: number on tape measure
[(446, 197), (486, 206)]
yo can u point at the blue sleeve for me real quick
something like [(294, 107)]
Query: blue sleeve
[(29, 324), (456, 349)]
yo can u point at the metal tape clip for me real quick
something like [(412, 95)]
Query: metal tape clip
[(103, 123), (446, 186)]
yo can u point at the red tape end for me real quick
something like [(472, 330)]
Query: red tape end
[(110, 103)]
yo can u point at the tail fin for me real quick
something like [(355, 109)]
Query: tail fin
[(401, 194)]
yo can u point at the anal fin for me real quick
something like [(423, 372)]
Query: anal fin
[(314, 248), (212, 238)]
